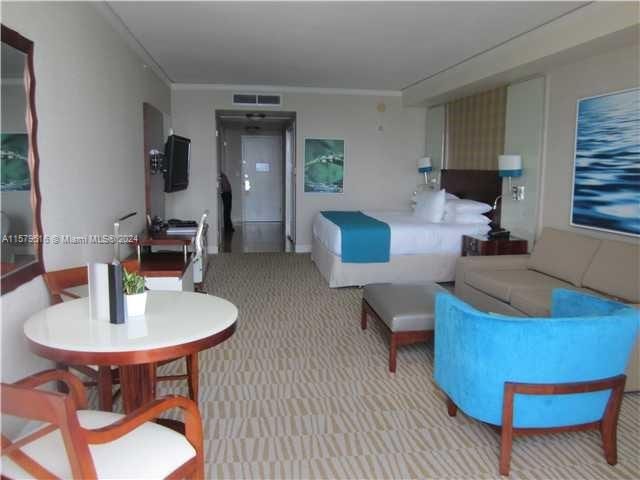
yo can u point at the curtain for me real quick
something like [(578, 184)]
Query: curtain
[(475, 130)]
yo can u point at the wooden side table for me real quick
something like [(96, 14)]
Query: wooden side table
[(481, 245)]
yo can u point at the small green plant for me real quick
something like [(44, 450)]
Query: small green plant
[(132, 282)]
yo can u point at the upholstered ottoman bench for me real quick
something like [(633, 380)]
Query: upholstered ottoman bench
[(406, 309)]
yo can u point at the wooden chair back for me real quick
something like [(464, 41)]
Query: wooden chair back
[(59, 412), (59, 281)]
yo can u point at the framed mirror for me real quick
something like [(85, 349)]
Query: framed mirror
[(21, 235)]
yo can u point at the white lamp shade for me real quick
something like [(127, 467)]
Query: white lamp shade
[(510, 165), (424, 164)]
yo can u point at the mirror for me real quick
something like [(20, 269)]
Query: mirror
[(21, 246)]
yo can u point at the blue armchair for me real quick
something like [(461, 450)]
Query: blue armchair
[(537, 375)]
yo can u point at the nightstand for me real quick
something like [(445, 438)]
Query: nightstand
[(481, 245)]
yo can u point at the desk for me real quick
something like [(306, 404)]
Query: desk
[(156, 239), (176, 324)]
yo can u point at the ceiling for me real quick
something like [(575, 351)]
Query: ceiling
[(354, 45)]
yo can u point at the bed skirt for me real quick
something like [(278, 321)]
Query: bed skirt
[(432, 267)]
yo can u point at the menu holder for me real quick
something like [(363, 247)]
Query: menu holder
[(106, 293)]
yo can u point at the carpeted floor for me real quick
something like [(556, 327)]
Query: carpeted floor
[(301, 392)]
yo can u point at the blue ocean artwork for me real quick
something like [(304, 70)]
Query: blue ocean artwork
[(606, 192)]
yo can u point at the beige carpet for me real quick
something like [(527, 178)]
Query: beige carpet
[(301, 392)]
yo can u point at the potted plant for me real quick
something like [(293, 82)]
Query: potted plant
[(134, 293)]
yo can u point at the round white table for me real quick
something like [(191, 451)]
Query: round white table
[(175, 324)]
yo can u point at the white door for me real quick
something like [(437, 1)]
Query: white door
[(262, 178)]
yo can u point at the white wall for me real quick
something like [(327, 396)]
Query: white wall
[(380, 166), (89, 92), (615, 70), (523, 136)]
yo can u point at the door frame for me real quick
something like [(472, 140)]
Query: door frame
[(290, 200), (219, 136), (219, 161)]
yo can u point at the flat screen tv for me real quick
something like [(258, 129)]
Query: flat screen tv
[(177, 152)]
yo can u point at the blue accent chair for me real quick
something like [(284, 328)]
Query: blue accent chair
[(537, 375)]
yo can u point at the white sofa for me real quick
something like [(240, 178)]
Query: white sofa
[(522, 284)]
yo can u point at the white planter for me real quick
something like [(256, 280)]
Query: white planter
[(136, 304)]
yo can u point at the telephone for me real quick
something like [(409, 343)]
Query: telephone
[(498, 233)]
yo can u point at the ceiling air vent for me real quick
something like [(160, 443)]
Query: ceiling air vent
[(255, 99), (269, 100)]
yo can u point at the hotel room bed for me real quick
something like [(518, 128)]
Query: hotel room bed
[(419, 251)]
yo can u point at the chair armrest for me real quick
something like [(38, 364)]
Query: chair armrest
[(148, 412), (76, 388)]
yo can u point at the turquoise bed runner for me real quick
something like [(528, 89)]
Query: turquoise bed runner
[(364, 239)]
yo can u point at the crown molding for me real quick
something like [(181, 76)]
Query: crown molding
[(285, 89), (120, 27)]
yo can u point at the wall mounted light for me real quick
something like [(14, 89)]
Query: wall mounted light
[(511, 166), (425, 167)]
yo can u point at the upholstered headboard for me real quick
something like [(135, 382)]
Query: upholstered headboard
[(480, 185)]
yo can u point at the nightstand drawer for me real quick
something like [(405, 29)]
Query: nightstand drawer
[(499, 246), (470, 246)]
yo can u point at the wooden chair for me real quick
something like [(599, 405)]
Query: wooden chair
[(91, 444), (531, 376), (61, 284)]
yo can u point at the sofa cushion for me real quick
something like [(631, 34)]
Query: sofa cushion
[(564, 255), (535, 302), (614, 271), (501, 283)]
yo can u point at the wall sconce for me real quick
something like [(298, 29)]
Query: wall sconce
[(425, 167), (156, 162), (511, 166)]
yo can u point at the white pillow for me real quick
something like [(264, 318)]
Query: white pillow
[(450, 196), (467, 218), (430, 205), (467, 206)]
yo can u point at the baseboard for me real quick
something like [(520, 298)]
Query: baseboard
[(303, 248), (212, 249)]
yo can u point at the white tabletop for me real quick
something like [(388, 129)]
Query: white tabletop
[(171, 318)]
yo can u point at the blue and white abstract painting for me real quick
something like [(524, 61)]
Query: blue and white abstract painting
[(606, 190)]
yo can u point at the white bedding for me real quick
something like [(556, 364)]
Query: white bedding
[(409, 235)]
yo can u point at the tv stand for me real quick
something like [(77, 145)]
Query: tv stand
[(162, 239)]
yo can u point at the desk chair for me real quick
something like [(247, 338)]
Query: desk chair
[(67, 284), (200, 254), (90, 444)]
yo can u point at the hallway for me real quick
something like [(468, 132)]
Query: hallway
[(255, 237)]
